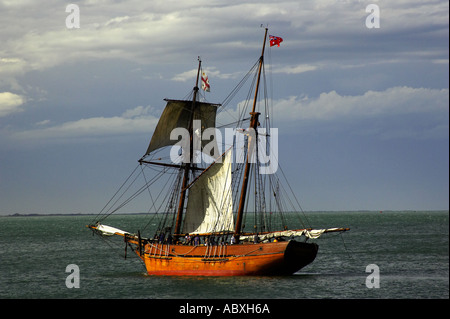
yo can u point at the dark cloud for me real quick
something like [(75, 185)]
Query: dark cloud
[(105, 82)]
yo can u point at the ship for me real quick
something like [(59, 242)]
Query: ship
[(215, 213)]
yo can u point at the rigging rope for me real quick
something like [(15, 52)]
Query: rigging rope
[(237, 88), (106, 205)]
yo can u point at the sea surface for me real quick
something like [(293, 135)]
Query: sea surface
[(408, 250)]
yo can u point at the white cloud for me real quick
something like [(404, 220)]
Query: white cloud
[(116, 20), (131, 121), (397, 112), (185, 76), (10, 103), (393, 101), (138, 111), (212, 72), (294, 69), (43, 123)]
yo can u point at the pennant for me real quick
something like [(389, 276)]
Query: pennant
[(275, 40), (205, 82)]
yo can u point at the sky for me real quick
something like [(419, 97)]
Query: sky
[(362, 109)]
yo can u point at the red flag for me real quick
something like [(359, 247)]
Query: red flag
[(275, 40)]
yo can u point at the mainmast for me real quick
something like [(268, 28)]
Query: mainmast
[(253, 125), (187, 166)]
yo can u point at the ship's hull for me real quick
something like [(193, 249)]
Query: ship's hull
[(278, 258)]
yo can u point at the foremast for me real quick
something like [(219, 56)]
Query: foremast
[(188, 164)]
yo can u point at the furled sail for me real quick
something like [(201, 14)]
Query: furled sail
[(309, 233), (177, 114), (210, 205)]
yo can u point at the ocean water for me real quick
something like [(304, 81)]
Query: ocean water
[(410, 251)]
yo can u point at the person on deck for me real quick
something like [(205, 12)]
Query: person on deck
[(196, 240), (187, 239)]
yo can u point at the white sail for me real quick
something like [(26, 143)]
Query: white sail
[(109, 230), (210, 205)]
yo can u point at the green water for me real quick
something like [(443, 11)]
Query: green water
[(411, 250)]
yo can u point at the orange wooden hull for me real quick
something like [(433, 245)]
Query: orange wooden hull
[(278, 258)]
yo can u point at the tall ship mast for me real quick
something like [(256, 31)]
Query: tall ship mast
[(215, 205)]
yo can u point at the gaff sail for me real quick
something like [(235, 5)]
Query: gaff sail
[(210, 206)]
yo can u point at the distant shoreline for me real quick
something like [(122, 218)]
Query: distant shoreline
[(68, 214), (319, 211)]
